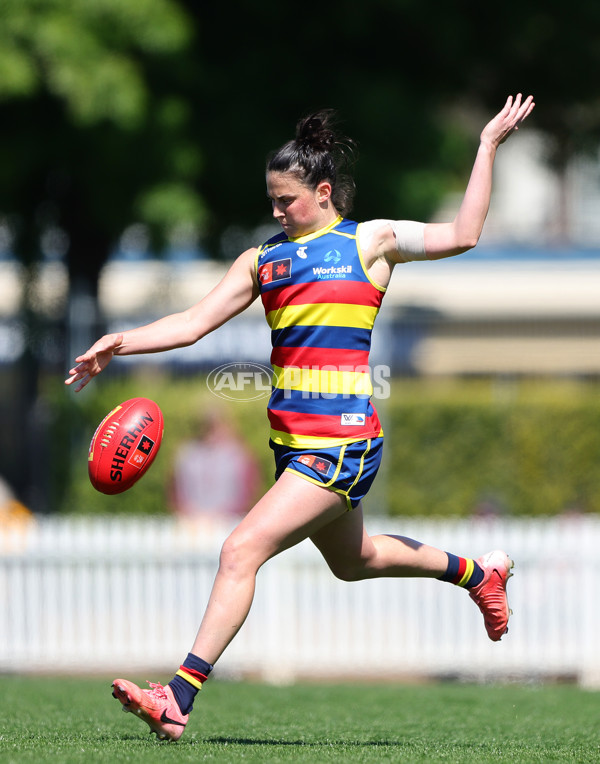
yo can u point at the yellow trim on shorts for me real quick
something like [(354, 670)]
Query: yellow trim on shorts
[(330, 485), (338, 467), (362, 464), (331, 488)]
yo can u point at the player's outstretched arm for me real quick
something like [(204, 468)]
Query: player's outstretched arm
[(447, 239), (235, 292)]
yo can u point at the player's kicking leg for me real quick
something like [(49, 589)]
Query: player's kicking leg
[(353, 555)]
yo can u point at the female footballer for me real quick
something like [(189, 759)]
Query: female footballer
[(321, 281)]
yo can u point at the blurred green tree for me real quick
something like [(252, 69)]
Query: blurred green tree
[(94, 106), (413, 80), (163, 111), (94, 103)]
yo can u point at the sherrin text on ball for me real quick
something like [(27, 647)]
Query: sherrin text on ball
[(124, 445)]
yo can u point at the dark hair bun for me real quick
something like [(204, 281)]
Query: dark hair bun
[(316, 132)]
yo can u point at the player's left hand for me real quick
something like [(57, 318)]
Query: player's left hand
[(515, 111)]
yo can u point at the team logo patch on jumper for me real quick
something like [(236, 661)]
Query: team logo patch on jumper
[(275, 271), (317, 463), (352, 420), (141, 453)]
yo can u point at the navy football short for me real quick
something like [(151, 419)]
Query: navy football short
[(348, 470)]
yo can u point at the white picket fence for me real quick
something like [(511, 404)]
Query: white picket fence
[(114, 595)]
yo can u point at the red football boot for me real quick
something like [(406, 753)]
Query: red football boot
[(490, 594), (156, 706)]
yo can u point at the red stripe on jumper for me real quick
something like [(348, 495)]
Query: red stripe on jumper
[(322, 425), (307, 357), (310, 292)]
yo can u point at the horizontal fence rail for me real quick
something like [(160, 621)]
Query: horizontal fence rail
[(123, 594)]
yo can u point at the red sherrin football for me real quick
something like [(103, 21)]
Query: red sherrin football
[(125, 445)]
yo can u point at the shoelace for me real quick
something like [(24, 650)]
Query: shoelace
[(157, 689)]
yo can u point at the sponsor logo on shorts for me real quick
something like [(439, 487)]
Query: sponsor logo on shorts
[(352, 420), (317, 463)]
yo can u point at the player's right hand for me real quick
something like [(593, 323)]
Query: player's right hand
[(508, 120), (94, 360)]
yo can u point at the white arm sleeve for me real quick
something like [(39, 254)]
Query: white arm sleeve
[(409, 235), (410, 239)]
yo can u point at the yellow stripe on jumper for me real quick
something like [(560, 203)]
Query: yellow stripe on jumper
[(323, 314), (323, 381), (309, 441)]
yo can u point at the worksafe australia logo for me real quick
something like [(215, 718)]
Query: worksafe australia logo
[(240, 381)]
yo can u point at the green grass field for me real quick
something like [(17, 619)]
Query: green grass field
[(77, 720)]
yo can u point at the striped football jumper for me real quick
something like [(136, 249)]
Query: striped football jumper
[(321, 306)]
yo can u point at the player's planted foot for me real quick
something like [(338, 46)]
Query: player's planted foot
[(156, 706), (490, 594)]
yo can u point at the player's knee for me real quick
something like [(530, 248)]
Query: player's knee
[(232, 558), (347, 570), (239, 556)]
